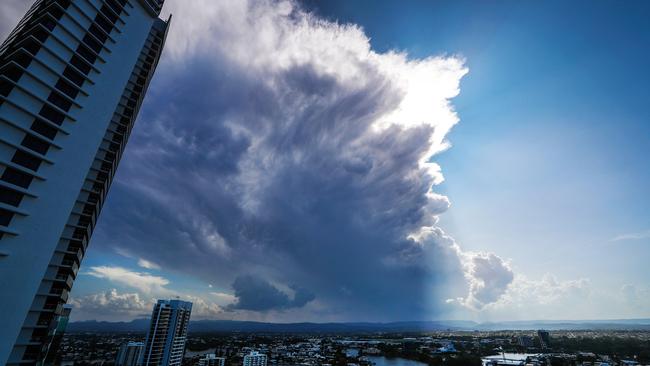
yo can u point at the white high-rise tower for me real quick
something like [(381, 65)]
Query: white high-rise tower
[(73, 74), (165, 344)]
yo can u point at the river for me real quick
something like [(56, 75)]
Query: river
[(383, 361), (511, 358), (397, 361)]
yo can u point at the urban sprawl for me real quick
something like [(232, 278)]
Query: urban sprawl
[(168, 339)]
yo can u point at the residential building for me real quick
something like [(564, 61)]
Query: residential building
[(73, 75), (165, 344), (129, 354), (254, 358), (544, 338), (525, 341), (212, 360)]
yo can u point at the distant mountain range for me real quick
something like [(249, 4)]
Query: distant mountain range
[(140, 325)]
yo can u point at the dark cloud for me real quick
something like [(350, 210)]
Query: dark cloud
[(260, 161), (257, 294)]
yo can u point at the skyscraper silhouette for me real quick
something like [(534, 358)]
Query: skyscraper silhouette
[(73, 74)]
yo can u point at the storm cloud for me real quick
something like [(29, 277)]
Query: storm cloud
[(281, 159), (255, 293)]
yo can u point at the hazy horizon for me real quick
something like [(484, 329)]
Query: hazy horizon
[(642, 321)]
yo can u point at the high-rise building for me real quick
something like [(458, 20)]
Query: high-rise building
[(73, 74), (255, 359), (51, 352), (165, 344), (525, 341), (212, 360), (129, 354), (544, 338)]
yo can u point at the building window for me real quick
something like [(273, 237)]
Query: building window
[(44, 129), (52, 114), (28, 161), (80, 64), (92, 43), (10, 197), (67, 88), (17, 177), (86, 53), (73, 75), (5, 217), (35, 144), (59, 101)]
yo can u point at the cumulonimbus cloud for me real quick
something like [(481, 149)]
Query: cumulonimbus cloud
[(278, 145)]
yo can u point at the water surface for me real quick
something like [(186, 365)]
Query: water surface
[(383, 361)]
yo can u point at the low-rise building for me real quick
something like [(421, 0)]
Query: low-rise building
[(255, 358), (212, 360)]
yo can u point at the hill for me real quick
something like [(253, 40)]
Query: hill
[(140, 325)]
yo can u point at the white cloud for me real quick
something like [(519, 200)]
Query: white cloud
[(147, 264), (545, 298), (204, 308), (113, 305), (223, 298), (489, 277), (123, 252), (546, 291), (142, 281), (633, 236), (110, 305)]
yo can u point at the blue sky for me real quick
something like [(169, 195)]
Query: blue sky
[(383, 160)]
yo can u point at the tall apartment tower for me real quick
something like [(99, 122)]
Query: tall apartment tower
[(165, 343), (73, 74), (544, 338)]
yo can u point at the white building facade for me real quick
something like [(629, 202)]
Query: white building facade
[(73, 75), (212, 360), (255, 359), (167, 335)]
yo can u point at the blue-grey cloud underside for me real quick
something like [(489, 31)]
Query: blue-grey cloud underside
[(276, 147)]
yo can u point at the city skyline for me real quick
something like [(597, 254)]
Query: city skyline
[(302, 161)]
